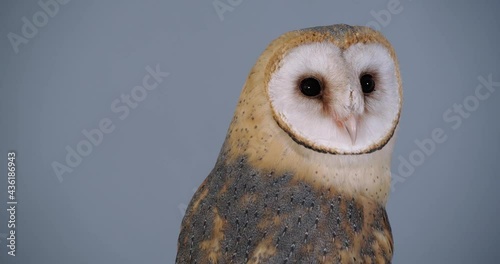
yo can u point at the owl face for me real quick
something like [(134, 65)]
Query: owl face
[(339, 96)]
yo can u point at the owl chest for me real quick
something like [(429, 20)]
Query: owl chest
[(242, 216)]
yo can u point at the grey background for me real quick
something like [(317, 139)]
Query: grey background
[(123, 203)]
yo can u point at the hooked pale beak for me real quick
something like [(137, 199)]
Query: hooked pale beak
[(350, 125)]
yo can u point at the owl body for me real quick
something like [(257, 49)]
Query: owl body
[(304, 173), (243, 215)]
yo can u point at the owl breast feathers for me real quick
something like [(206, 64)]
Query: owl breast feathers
[(240, 215), (304, 173)]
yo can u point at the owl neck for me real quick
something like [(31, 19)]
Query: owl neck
[(366, 175)]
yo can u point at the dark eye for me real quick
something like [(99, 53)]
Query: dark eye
[(310, 87), (367, 83)]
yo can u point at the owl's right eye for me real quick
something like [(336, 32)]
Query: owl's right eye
[(310, 87)]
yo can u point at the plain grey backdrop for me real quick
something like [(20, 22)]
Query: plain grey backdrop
[(123, 202)]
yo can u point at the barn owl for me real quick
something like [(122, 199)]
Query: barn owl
[(304, 173)]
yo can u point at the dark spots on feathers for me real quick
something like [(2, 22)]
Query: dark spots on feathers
[(303, 223)]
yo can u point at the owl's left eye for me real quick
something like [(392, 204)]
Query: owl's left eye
[(367, 83)]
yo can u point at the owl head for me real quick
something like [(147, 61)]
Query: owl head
[(322, 100), (339, 92)]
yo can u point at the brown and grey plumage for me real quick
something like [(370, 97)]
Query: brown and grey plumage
[(303, 175)]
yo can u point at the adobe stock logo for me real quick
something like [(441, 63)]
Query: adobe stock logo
[(121, 108), (383, 18), (454, 117), (223, 6), (30, 27)]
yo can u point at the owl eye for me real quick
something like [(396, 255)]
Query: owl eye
[(310, 87), (367, 83)]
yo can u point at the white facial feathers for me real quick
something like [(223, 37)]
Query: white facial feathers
[(322, 121)]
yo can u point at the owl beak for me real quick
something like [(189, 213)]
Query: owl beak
[(350, 125)]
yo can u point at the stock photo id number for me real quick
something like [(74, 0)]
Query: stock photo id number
[(11, 203)]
